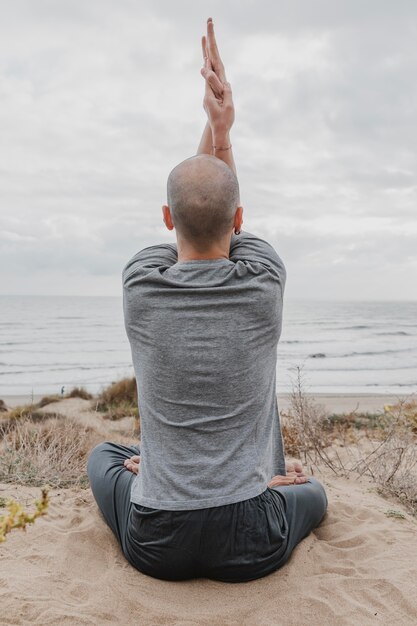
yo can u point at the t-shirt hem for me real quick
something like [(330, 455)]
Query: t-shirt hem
[(205, 503)]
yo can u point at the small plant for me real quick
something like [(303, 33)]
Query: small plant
[(119, 400), (79, 392), (308, 432), (48, 400), (17, 517), (397, 514)]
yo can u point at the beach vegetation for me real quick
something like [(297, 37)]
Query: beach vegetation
[(53, 451), (17, 517), (120, 399), (48, 400), (396, 514), (79, 392), (76, 392), (381, 446)]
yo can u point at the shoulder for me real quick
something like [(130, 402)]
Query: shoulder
[(148, 259), (250, 248)]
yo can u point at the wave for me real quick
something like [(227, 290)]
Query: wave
[(287, 341), (77, 368), (322, 355), (401, 333), (364, 369), (373, 353), (354, 327), (69, 317), (72, 340)]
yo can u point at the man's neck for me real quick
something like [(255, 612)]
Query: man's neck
[(187, 252)]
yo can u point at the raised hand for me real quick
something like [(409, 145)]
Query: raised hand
[(220, 112), (213, 70), (218, 103)]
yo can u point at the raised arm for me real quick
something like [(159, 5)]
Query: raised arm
[(218, 103)]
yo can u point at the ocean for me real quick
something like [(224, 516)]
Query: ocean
[(49, 342)]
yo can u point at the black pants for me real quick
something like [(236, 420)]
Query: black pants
[(233, 542)]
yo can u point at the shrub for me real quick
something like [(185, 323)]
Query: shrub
[(119, 399), (17, 517), (48, 400), (79, 392), (389, 455), (53, 452)]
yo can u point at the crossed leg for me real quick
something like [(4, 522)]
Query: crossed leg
[(111, 483)]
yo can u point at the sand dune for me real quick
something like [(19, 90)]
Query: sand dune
[(359, 567)]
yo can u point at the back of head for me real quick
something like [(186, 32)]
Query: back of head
[(203, 194)]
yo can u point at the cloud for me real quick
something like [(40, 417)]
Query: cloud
[(101, 99)]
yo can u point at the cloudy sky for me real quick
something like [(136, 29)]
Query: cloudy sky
[(99, 99)]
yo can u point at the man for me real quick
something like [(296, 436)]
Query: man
[(208, 492)]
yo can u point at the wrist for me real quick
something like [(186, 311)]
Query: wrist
[(220, 135)]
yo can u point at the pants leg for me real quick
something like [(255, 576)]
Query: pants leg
[(111, 484), (305, 506)]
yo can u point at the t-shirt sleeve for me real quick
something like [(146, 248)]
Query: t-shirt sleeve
[(250, 248), (159, 256)]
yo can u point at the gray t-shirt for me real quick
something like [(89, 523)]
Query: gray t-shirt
[(204, 335)]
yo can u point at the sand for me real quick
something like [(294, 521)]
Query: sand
[(333, 402), (359, 567)]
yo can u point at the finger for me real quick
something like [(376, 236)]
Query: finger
[(212, 43), (227, 94), (206, 56), (214, 51), (214, 82), (135, 459), (283, 481), (208, 93)]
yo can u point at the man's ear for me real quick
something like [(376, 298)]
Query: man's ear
[(237, 224), (167, 217)]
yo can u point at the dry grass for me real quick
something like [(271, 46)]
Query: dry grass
[(308, 432), (79, 392), (119, 400), (30, 412), (76, 392), (53, 452), (380, 446), (48, 400)]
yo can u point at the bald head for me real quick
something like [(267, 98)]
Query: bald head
[(203, 195)]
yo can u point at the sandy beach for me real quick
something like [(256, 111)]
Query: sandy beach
[(359, 567), (333, 402)]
